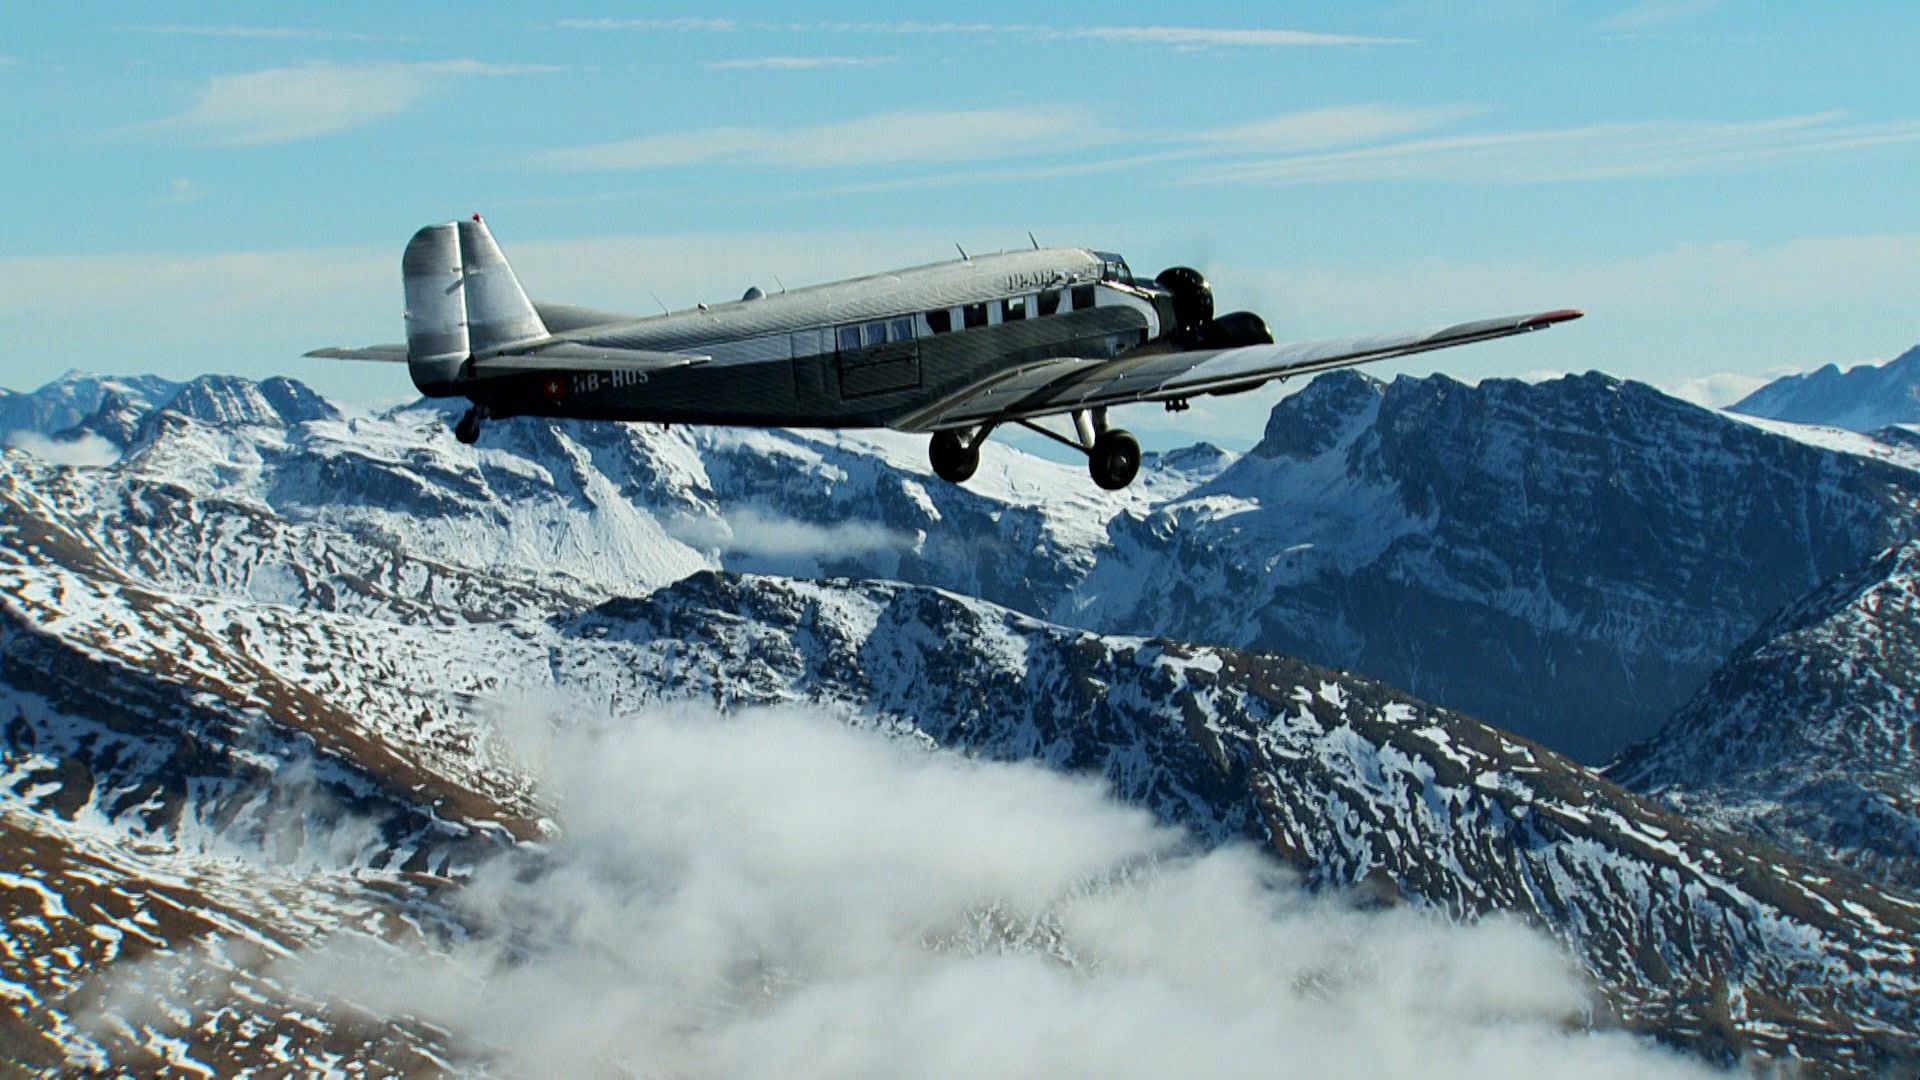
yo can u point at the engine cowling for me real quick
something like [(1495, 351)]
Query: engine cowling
[(1192, 300), (1233, 330)]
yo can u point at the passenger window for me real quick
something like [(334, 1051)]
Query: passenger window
[(900, 330), (975, 315), (1049, 302), (940, 321), (849, 338), (1013, 310), (876, 334), (1082, 297)]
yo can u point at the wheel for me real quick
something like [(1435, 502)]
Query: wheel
[(468, 429), (953, 460), (1114, 460)]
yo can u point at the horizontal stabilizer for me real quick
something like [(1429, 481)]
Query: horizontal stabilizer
[(390, 354), (571, 356)]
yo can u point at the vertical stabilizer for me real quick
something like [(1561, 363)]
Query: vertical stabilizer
[(436, 308), (498, 311)]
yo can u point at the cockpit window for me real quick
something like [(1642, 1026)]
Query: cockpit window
[(849, 338), (876, 334), (1113, 267)]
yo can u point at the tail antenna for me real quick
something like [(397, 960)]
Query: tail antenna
[(964, 257), (1031, 240)]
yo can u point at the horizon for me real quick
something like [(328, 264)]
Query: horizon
[(1726, 190)]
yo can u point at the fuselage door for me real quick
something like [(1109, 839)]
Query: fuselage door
[(879, 356)]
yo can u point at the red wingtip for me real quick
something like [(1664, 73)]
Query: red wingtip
[(1551, 317)]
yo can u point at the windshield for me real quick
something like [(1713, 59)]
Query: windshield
[(1113, 267)]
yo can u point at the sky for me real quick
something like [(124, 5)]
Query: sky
[(1729, 189)]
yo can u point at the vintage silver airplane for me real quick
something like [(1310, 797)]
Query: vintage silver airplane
[(952, 350)]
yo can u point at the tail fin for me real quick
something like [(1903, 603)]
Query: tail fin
[(437, 341), (498, 311), (462, 301)]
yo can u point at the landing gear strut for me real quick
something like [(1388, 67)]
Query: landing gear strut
[(1113, 455), (468, 429)]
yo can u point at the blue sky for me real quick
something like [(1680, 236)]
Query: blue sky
[(1727, 188)]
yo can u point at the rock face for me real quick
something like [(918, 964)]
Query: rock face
[(1570, 560), (1809, 734), (274, 639), (1864, 398)]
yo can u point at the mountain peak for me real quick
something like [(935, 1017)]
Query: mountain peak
[(1863, 398), (231, 399), (1320, 417)]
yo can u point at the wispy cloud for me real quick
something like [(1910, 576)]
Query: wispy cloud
[(1650, 14), (1190, 37), (292, 104), (278, 33), (1339, 125), (798, 63), (180, 191), (1605, 151), (894, 138)]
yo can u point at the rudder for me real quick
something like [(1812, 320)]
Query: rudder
[(436, 315), (498, 313)]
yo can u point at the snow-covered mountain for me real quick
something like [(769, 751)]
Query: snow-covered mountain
[(246, 670), (168, 656), (1810, 735), (1569, 559), (76, 396), (1864, 398)]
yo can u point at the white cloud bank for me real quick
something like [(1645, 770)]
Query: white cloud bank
[(779, 895)]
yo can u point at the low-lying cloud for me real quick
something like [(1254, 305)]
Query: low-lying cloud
[(774, 894), (759, 535), (87, 450)]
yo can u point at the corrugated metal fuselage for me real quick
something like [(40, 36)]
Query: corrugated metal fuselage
[(849, 354)]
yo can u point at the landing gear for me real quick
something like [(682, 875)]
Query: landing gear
[(1113, 455), (468, 429), (1114, 459), (954, 457)]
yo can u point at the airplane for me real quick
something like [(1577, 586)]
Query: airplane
[(952, 350)]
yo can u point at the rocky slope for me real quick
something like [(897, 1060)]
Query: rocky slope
[(1863, 398), (191, 671), (1809, 734), (1570, 560)]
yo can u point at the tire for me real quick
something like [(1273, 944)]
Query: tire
[(953, 460), (468, 429), (1114, 460)]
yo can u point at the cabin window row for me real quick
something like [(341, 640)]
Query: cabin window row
[(966, 317)]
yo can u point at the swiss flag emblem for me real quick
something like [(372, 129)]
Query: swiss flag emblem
[(556, 388)]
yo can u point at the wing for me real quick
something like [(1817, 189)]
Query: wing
[(391, 354), (1069, 383)]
